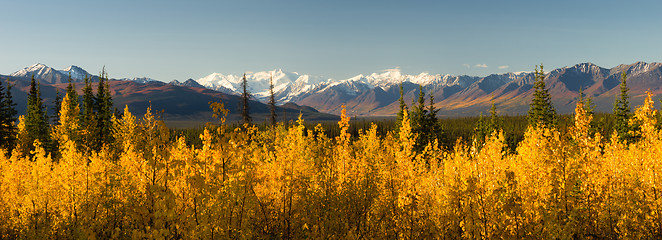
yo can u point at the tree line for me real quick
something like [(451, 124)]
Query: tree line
[(95, 110), (290, 182)]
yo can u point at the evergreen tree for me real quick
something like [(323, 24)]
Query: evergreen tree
[(434, 129), (481, 130), (103, 106), (485, 127), (87, 118), (36, 120), (7, 117), (403, 109), (495, 121), (622, 113), (57, 104), (589, 108), (541, 111), (73, 96), (245, 96), (419, 112), (419, 124), (272, 100), (70, 114)]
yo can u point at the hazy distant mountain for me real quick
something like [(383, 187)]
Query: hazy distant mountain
[(139, 79), (287, 85), (179, 103), (378, 93), (188, 83), (43, 73), (564, 84)]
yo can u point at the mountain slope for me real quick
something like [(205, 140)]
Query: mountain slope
[(177, 102), (378, 93)]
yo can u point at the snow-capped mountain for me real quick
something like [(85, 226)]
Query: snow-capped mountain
[(50, 75), (390, 77), (378, 93), (287, 85), (139, 79), (188, 83), (76, 72), (42, 72)]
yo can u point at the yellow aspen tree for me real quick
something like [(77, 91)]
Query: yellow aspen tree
[(647, 167), (588, 161), (456, 174), (614, 187), (23, 142), (36, 209), (533, 174), (69, 126), (295, 160), (125, 130), (71, 178), (489, 169), (363, 190)]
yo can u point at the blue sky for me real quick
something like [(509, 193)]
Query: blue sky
[(169, 40)]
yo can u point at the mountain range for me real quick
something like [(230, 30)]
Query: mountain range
[(376, 94)]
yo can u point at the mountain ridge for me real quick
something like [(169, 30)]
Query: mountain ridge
[(377, 93)]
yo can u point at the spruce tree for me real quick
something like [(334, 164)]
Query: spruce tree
[(245, 96), (622, 112), (71, 110), (103, 105), (495, 121), (403, 109), (272, 101), (57, 104), (589, 108), (7, 116), (434, 129), (36, 120), (87, 118), (73, 96), (481, 130), (485, 127), (541, 111), (419, 125)]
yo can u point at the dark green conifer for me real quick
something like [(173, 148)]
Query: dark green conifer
[(87, 118), (622, 113), (7, 116), (245, 96), (419, 121), (103, 106), (57, 103), (541, 111), (495, 121), (401, 113), (36, 120), (433, 129), (272, 101), (73, 95)]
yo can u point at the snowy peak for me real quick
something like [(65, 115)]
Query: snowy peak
[(639, 68), (36, 69), (140, 79), (588, 68), (286, 84), (41, 72), (390, 77), (76, 72)]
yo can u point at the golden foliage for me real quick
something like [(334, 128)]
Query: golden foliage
[(293, 182)]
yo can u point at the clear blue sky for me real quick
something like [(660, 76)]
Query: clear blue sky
[(169, 40)]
